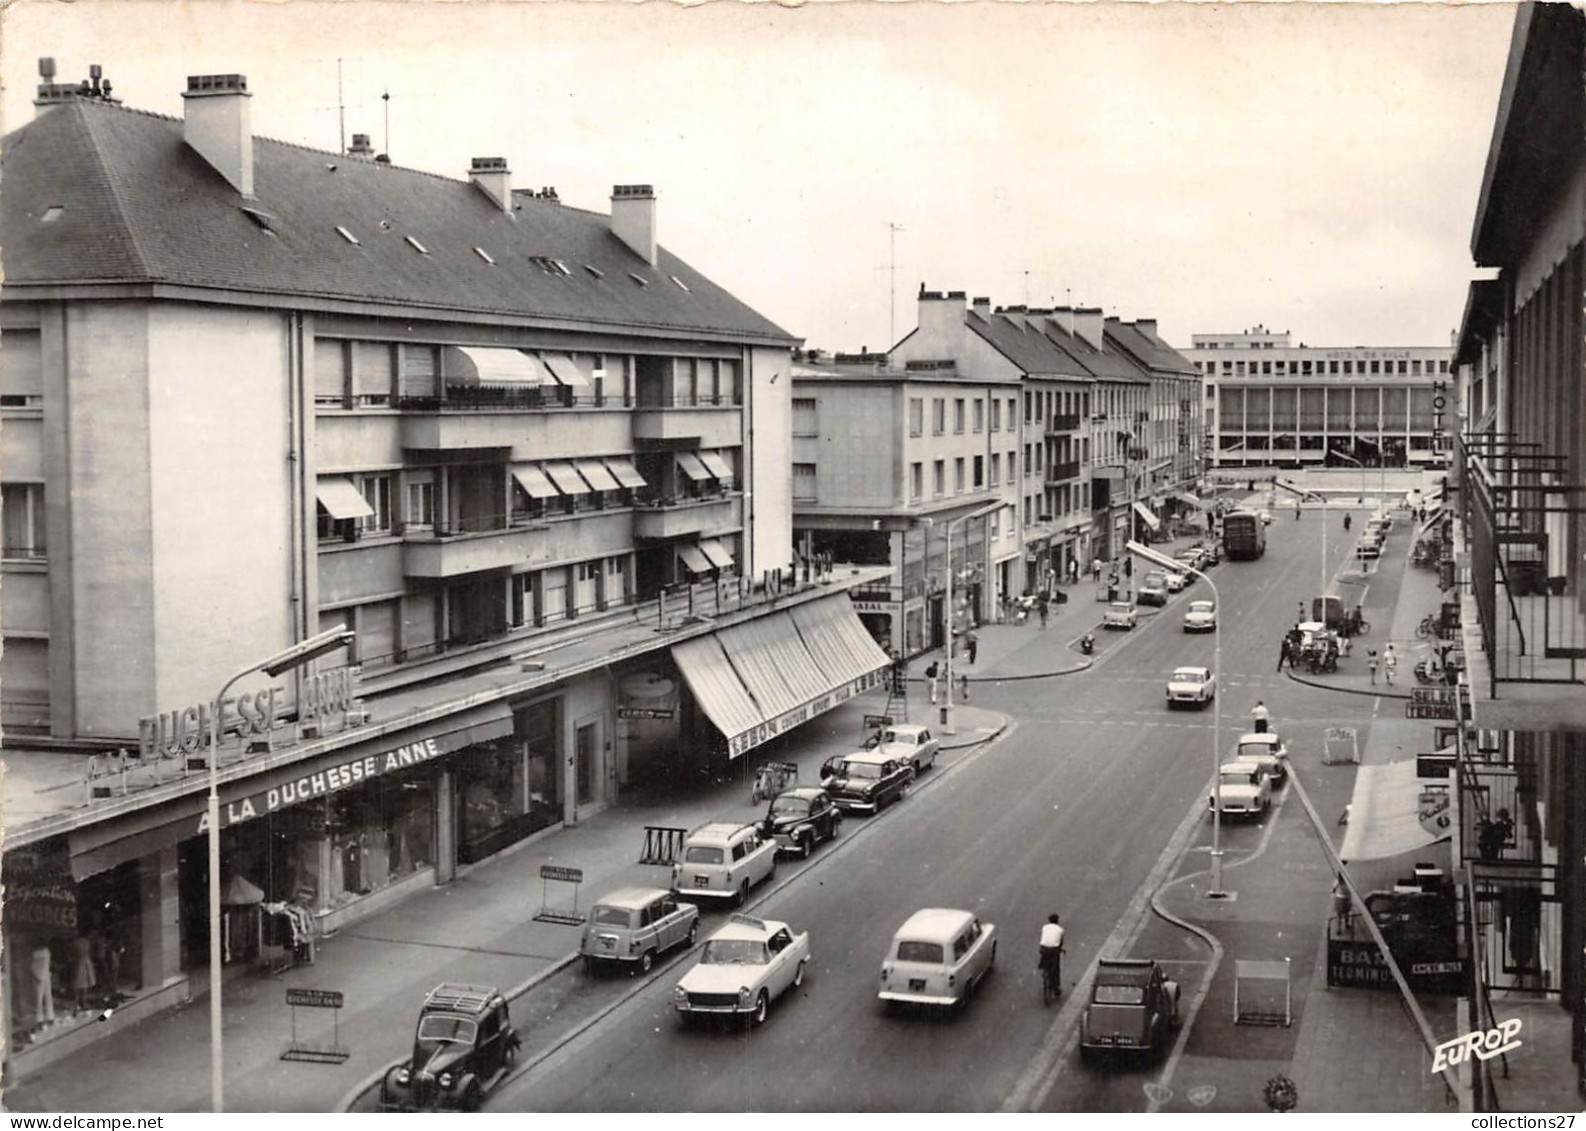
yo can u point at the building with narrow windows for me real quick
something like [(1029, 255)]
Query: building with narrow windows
[(252, 391), (1272, 403), (1517, 539)]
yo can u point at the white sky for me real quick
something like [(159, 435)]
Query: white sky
[(1312, 167)]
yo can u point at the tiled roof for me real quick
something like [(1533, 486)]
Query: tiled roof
[(1104, 365), (137, 205), (1027, 347), (1148, 349)]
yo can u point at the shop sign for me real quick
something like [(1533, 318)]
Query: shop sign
[(175, 734), (1434, 812), (875, 606), (40, 894), (314, 999), (764, 732), (646, 695), (321, 782), (1360, 963)]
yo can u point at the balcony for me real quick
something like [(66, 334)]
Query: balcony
[(537, 421), (492, 542), (1063, 472), (1064, 422), (711, 421), (659, 518), (1525, 525)]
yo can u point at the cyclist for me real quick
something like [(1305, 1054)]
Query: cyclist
[(1052, 955)]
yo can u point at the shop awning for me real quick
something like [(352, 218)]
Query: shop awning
[(105, 844), (533, 479), (691, 465), (342, 499), (717, 553), (694, 558), (1147, 517), (626, 473), (564, 371), (497, 366), (1393, 812), (596, 475), (1191, 500), (716, 465), (716, 687), (761, 678), (1433, 517), (567, 480)]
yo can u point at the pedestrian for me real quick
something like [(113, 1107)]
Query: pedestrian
[(1371, 665), (963, 688), (1073, 571), (1095, 569), (1343, 909), (933, 673), (1300, 619), (1285, 655), (1390, 661), (972, 644), (1260, 715), (1042, 605)]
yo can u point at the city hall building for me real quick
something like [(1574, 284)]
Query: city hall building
[(252, 391)]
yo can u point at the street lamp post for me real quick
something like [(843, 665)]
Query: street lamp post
[(947, 702), (293, 657), (1166, 562)]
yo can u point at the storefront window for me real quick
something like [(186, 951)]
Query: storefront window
[(509, 788)]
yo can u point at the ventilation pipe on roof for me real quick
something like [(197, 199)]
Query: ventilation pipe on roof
[(1088, 325), (492, 177), (52, 93), (360, 147), (633, 219), (217, 124)]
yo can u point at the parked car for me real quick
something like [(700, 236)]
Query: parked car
[(1201, 616), (1370, 546), (1177, 580), (938, 957), (746, 965), (1132, 1006), (1197, 686), (724, 859), (1120, 614), (632, 926), (832, 769), (1266, 518), (1267, 750), (1246, 790), (1153, 588), (870, 781), (799, 819), (911, 743), (1194, 557), (464, 1045)]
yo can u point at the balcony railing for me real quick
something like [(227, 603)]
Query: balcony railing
[(511, 398), (1064, 422), (688, 400), (1526, 529), (1063, 472)]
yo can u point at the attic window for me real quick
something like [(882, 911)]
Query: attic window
[(679, 282), (263, 219), (346, 235), (640, 279), (418, 247), (483, 254), (595, 271), (51, 214)]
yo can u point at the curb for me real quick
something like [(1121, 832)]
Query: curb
[(1374, 692)]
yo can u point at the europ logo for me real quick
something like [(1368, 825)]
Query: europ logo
[(1483, 1044)]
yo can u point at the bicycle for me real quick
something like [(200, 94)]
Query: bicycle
[(1051, 981), (1427, 629)]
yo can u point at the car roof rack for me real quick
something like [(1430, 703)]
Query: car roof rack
[(460, 997)]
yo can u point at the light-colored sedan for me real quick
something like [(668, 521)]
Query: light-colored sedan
[(938, 957), (1120, 614), (745, 966), (1195, 686), (1267, 750), (1245, 790), (1201, 616), (1176, 580), (911, 743)]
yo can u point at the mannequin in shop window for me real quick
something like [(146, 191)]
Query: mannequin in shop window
[(43, 989), (83, 977)]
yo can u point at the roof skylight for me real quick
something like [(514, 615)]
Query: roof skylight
[(346, 235), (595, 271), (51, 214), (483, 254), (418, 247), (262, 218), (640, 279), (679, 282)]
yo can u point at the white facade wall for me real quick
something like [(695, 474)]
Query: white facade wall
[(768, 454)]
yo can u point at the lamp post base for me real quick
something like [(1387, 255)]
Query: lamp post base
[(947, 719)]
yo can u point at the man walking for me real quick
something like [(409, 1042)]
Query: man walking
[(1041, 604), (932, 673), (1371, 665), (1390, 660), (972, 644), (1261, 716), (1285, 653)]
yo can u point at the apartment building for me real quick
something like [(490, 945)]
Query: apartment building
[(252, 391), (1272, 403), (1519, 527), (891, 466)]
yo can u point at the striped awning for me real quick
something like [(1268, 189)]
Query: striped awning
[(566, 478), (342, 499), (533, 479), (716, 465), (717, 553), (563, 370), (694, 558), (1393, 811), (626, 473), (494, 366), (1147, 517), (691, 465), (596, 475)]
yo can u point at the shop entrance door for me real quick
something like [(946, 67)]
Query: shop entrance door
[(587, 754)]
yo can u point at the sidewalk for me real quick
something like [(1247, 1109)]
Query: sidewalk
[(479, 928), (1347, 1049)]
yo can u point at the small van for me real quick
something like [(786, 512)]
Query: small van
[(724, 859), (938, 957)]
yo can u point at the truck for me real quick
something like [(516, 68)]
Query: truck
[(1244, 535)]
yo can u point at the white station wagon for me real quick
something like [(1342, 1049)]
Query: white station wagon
[(938, 957)]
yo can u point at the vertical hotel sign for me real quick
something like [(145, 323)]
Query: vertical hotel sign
[(1439, 406)]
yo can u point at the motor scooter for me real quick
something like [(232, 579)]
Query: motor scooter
[(1087, 643)]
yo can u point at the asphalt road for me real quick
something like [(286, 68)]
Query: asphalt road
[(1069, 811)]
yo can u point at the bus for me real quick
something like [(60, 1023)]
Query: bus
[(1244, 535)]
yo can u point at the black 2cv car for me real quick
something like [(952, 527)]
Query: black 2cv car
[(464, 1045)]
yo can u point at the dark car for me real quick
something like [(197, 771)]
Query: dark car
[(800, 819), (869, 782), (1133, 1007), (464, 1045)]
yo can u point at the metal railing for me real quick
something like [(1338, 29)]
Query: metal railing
[(1063, 472), (1064, 422), (1526, 525)]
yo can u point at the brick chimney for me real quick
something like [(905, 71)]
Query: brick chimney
[(633, 219), (982, 307), (1146, 326), (492, 177), (218, 125), (941, 319), (360, 147), (1088, 325)]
